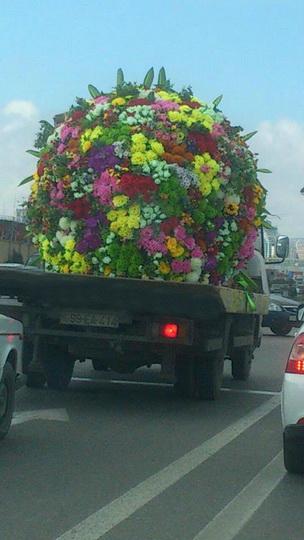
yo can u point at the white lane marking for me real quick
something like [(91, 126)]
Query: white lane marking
[(43, 414), (102, 521), (149, 383), (232, 518)]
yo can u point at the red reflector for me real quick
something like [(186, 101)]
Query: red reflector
[(169, 330), (295, 362)]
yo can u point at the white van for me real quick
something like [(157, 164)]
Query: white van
[(10, 369)]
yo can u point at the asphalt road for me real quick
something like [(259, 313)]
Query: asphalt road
[(127, 460)]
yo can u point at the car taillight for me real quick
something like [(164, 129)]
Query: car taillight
[(169, 330), (295, 362)]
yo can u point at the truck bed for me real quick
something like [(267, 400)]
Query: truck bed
[(134, 296)]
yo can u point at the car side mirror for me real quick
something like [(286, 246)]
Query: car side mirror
[(282, 247), (300, 313)]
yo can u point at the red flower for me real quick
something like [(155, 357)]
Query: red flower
[(136, 184), (139, 101), (77, 115), (80, 207), (168, 225), (205, 143)]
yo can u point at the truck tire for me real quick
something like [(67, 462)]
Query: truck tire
[(7, 398), (184, 385), (35, 379), (241, 363), (210, 376), (99, 365), (293, 455), (281, 329), (58, 367)]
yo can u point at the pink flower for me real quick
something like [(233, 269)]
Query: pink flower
[(181, 267), (104, 186), (164, 105), (101, 99), (61, 148), (197, 253)]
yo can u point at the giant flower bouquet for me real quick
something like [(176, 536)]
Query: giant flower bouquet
[(146, 183)]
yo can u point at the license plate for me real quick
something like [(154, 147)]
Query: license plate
[(89, 319), (293, 318)]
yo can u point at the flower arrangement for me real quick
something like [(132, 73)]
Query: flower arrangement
[(145, 182)]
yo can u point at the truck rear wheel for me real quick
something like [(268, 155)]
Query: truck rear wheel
[(58, 367), (210, 376), (7, 398), (184, 385), (241, 363)]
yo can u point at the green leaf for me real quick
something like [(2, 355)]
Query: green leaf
[(33, 153), (26, 180), (249, 135), (120, 78), (162, 79), (218, 100), (267, 225), (267, 171), (46, 124), (148, 80), (93, 91)]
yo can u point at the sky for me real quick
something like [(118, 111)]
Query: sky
[(249, 51)]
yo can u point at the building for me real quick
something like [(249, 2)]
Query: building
[(15, 245)]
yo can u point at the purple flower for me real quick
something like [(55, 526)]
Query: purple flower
[(209, 237), (219, 222), (91, 222), (102, 158), (82, 247), (211, 264)]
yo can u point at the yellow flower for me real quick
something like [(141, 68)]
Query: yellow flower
[(231, 209), (120, 200), (164, 268), (134, 210), (205, 188), (34, 188), (157, 147), (36, 176), (86, 146), (174, 247), (138, 158), (118, 101), (66, 269), (185, 108), (215, 184), (257, 222), (139, 138), (70, 244), (107, 271), (151, 155), (96, 133), (138, 147)]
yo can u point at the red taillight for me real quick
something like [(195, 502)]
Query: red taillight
[(169, 330), (301, 421), (295, 362)]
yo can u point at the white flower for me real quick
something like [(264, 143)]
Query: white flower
[(64, 223)]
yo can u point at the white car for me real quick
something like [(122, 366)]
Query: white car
[(293, 403), (10, 369)]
